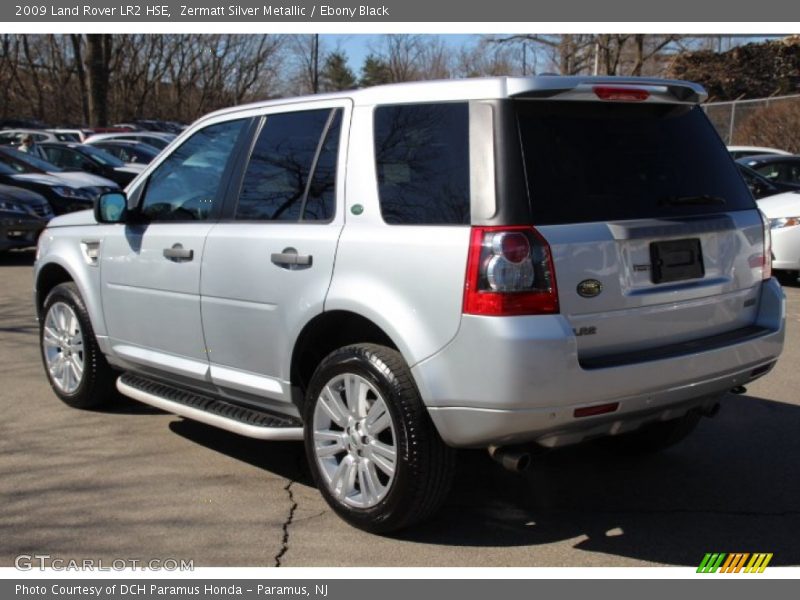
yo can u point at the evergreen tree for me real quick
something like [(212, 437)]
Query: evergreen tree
[(375, 71), (336, 75)]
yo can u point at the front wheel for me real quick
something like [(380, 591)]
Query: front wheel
[(373, 451), (75, 366)]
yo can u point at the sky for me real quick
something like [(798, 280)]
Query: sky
[(358, 46)]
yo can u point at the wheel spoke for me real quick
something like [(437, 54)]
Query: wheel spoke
[(328, 443), (72, 326), (333, 407), (344, 478), (61, 317), (77, 367), (66, 375), (384, 456), (368, 482), (352, 385), (55, 366), (361, 404), (50, 337), (378, 418)]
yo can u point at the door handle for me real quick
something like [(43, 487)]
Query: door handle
[(290, 258), (178, 253)]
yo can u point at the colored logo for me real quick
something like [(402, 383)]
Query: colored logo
[(736, 562), (589, 288)]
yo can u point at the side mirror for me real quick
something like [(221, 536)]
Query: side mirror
[(111, 207)]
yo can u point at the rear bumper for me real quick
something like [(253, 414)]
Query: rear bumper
[(504, 380)]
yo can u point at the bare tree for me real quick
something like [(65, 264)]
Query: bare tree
[(602, 54), (414, 57), (305, 53), (486, 59)]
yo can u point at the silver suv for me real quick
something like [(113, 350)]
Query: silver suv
[(396, 272)]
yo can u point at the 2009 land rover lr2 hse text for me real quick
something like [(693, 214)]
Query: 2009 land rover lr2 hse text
[(396, 272)]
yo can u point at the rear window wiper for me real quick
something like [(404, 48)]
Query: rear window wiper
[(699, 199)]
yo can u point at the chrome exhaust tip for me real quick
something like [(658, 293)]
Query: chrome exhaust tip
[(510, 458)]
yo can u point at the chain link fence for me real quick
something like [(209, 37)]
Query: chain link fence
[(745, 122)]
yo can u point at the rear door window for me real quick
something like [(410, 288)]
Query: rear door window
[(291, 175), (595, 161)]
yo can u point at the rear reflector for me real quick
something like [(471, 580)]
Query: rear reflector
[(620, 93), (766, 271), (600, 409)]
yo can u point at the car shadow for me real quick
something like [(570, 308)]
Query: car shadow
[(122, 405), (286, 459), (18, 258), (733, 486), (791, 282)]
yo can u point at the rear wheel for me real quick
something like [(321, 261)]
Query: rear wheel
[(373, 451), (75, 366), (654, 437)]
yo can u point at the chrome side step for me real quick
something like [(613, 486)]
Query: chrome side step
[(211, 411)]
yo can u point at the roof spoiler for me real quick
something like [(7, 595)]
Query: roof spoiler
[(670, 91)]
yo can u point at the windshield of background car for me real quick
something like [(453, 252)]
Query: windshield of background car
[(102, 157), (27, 163), (606, 161)]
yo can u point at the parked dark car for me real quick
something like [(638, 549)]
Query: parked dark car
[(19, 230), (777, 168), (30, 201), (23, 162), (23, 216), (760, 186), (91, 160), (60, 194), (128, 151)]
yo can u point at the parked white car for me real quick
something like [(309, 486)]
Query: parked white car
[(783, 212), (741, 151), (155, 139)]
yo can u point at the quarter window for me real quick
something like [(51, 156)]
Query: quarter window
[(422, 161)]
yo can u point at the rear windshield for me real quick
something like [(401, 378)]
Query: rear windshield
[(593, 161)]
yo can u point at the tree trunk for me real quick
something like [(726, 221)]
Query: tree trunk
[(98, 56), (81, 72), (639, 44)]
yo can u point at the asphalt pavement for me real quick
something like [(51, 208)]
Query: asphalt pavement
[(133, 483)]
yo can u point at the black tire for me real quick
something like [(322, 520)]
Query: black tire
[(96, 384), (654, 437), (424, 465)]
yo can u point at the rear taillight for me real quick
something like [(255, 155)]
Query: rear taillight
[(766, 271), (509, 272), (624, 94)]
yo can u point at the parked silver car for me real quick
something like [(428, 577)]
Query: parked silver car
[(395, 272)]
